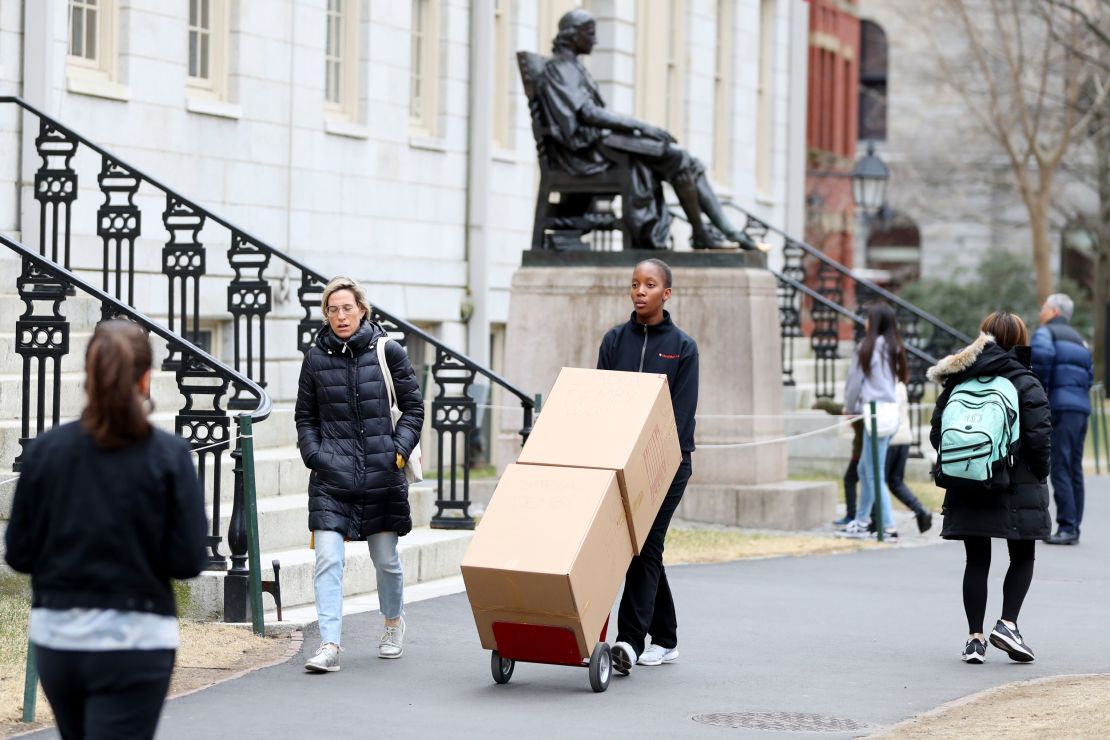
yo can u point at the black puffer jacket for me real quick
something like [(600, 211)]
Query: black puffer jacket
[(1020, 513), (345, 437)]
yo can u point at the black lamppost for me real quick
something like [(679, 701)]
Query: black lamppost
[(869, 180)]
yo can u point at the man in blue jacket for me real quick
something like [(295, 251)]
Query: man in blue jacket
[(1063, 362), (649, 342)]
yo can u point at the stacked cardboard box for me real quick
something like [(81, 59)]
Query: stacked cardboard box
[(566, 520)]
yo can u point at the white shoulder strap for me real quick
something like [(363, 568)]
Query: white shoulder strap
[(383, 363)]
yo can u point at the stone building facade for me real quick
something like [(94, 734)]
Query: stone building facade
[(383, 139)]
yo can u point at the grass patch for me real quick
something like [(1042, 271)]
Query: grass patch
[(15, 608), (720, 546)]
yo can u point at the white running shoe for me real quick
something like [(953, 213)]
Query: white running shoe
[(658, 655), (624, 657), (326, 659), (392, 643)]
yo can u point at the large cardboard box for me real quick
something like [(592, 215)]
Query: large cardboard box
[(550, 550), (612, 421)]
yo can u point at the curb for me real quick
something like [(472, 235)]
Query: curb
[(296, 642)]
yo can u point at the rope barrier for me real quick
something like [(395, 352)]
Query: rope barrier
[(777, 440)]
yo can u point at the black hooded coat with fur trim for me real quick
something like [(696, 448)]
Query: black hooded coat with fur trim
[(1020, 513)]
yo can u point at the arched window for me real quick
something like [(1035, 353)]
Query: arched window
[(872, 82)]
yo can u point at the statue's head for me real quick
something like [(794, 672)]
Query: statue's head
[(577, 32)]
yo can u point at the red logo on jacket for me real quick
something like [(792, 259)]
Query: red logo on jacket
[(670, 357)]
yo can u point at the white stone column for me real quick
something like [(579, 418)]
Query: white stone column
[(479, 144)]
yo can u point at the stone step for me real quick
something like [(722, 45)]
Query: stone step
[(917, 469), (807, 370), (802, 397), (362, 603), (283, 520), (163, 390), (426, 555)]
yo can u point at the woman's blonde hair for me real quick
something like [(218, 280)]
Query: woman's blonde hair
[(344, 283)]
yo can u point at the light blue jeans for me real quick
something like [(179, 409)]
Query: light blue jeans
[(328, 579), (867, 483)]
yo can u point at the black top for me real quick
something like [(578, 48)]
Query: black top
[(106, 528), (662, 348), (346, 437), (1021, 511)]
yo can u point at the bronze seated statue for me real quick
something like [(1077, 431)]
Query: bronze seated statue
[(587, 152)]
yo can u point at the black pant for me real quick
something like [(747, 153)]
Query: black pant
[(1014, 587), (851, 483), (647, 606), (1069, 432), (105, 695), (896, 457)]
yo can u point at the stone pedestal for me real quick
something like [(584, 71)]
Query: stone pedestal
[(563, 303)]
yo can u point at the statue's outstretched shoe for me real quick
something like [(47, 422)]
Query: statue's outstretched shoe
[(746, 243)]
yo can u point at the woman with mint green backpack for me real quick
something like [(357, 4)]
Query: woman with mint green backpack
[(1018, 511)]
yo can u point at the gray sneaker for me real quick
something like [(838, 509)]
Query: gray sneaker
[(392, 644), (325, 660)]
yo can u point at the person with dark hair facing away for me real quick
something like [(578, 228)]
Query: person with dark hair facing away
[(877, 366), (649, 342), (1017, 513), (1062, 360), (107, 510)]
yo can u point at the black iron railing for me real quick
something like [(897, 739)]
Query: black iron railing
[(926, 337), (42, 339), (250, 293)]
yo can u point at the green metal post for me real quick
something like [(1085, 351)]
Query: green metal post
[(254, 564), (1102, 419), (539, 402), (30, 686), (877, 509), (1095, 414)]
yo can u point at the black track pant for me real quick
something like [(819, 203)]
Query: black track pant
[(105, 695), (647, 606), (1014, 587)]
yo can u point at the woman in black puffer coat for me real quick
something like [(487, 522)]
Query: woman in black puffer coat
[(1018, 514), (357, 489)]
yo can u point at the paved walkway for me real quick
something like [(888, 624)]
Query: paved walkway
[(872, 637)]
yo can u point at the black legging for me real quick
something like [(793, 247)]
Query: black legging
[(1014, 587)]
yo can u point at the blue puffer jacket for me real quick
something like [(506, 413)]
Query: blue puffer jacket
[(1063, 362)]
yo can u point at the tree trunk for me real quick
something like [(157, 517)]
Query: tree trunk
[(1042, 247), (1101, 294)]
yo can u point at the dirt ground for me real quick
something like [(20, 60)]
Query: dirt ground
[(210, 653), (1063, 706)]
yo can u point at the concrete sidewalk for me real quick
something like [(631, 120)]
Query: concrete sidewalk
[(863, 640)]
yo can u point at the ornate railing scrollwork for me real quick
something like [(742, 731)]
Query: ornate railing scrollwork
[(55, 189), (118, 224), (926, 337), (43, 337), (250, 298)]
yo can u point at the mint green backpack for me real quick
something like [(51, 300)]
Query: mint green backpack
[(979, 434)]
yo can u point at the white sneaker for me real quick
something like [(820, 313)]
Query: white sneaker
[(624, 657), (326, 659), (658, 655), (392, 643), (855, 530)]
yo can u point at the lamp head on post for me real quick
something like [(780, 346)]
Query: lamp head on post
[(869, 181)]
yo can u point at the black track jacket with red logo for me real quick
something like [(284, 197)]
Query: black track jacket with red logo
[(662, 348)]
